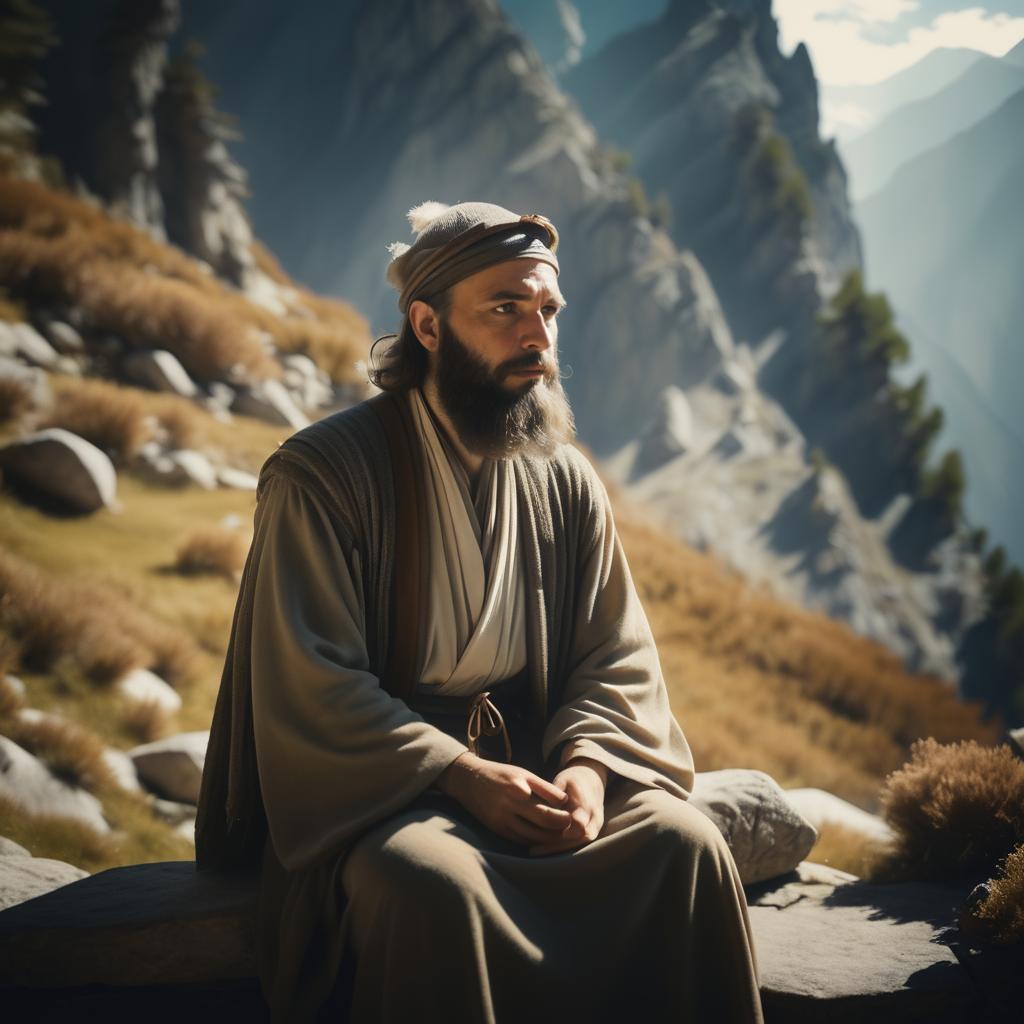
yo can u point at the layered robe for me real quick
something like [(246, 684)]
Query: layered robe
[(380, 896)]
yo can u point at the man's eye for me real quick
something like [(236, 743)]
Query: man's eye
[(552, 310), (505, 307)]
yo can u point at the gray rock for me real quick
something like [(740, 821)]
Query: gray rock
[(194, 467), (34, 380), (173, 767), (269, 400), (24, 878), (15, 685), (161, 371), (820, 807), (143, 686), (856, 950), (765, 833), (30, 784), (64, 338), (238, 478), (25, 342), (122, 769), (62, 466), (146, 924), (9, 848), (669, 435)]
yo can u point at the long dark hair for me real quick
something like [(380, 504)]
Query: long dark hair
[(403, 364)]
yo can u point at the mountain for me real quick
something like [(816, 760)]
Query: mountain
[(722, 131), (946, 237), (915, 127), (868, 104)]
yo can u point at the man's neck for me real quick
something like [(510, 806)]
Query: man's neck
[(472, 462)]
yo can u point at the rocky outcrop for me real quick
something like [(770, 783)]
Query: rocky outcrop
[(23, 877), (829, 947), (201, 184), (131, 58)]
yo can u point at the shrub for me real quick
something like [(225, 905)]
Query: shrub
[(15, 398), (212, 551), (72, 753), (1001, 912), (99, 630), (957, 809), (107, 415), (145, 720)]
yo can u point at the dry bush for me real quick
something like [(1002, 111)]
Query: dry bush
[(103, 633), (15, 398), (181, 418), (72, 753), (957, 809), (334, 348), (213, 551), (1001, 912), (145, 720), (106, 414), (55, 247)]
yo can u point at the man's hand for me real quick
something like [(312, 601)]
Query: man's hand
[(508, 799), (584, 780)]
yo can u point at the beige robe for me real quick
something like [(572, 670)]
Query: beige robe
[(421, 912)]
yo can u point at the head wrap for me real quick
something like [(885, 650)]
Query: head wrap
[(453, 242)]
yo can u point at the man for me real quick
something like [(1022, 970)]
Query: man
[(442, 726)]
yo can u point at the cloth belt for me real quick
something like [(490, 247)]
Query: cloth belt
[(481, 712)]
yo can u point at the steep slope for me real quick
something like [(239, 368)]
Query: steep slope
[(945, 236), (725, 129), (909, 131)]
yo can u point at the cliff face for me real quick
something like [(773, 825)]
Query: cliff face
[(724, 129)]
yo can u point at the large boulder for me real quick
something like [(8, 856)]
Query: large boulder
[(269, 400), (820, 808), (173, 767), (26, 781), (765, 833), (62, 467), (25, 342)]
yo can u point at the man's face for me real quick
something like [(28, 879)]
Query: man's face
[(496, 367)]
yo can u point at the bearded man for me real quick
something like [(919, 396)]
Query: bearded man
[(443, 730)]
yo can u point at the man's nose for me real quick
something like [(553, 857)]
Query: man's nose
[(537, 332)]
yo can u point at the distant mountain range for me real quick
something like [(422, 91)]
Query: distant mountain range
[(945, 239)]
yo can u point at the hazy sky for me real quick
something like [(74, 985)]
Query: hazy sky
[(854, 42)]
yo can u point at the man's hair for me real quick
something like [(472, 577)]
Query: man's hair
[(403, 364)]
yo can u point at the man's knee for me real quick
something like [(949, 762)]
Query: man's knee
[(679, 825), (409, 860)]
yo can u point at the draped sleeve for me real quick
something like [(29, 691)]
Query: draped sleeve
[(335, 752), (614, 705)]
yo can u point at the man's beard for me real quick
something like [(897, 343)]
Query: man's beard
[(491, 420)]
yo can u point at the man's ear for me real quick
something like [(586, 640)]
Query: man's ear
[(425, 324)]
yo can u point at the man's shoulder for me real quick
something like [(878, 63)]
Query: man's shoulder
[(570, 478)]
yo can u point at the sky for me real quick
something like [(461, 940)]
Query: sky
[(857, 42), (852, 42)]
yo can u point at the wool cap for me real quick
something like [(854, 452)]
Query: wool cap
[(453, 242)]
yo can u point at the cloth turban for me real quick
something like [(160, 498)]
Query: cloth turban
[(453, 242)]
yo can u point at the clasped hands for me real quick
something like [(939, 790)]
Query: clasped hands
[(547, 817)]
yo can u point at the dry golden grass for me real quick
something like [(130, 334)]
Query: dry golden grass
[(71, 752), (1001, 913), (55, 247), (214, 551), (138, 836), (15, 399), (145, 720), (106, 414), (51, 618), (849, 850), (957, 809)]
